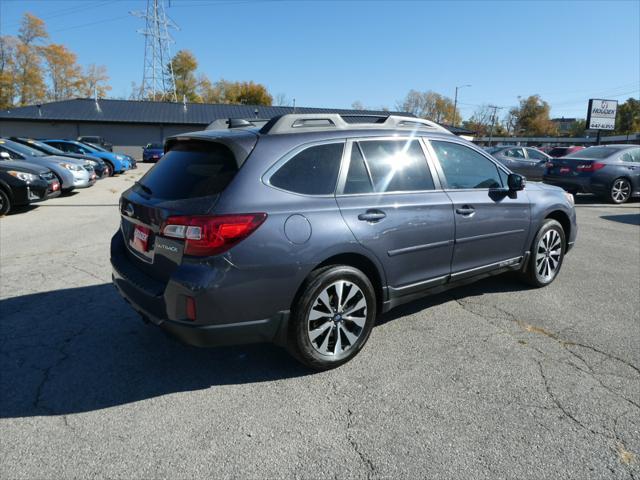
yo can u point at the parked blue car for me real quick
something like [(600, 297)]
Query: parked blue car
[(118, 162), (152, 152)]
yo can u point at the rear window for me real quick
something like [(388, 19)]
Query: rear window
[(191, 169), (594, 152)]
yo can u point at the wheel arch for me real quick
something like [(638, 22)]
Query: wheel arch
[(6, 189), (563, 219), (355, 260)]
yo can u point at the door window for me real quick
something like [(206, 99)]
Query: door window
[(632, 155), (313, 171), (463, 167), (393, 165), (535, 154), (514, 153)]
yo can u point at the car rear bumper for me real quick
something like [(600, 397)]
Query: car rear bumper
[(153, 300), (578, 184)]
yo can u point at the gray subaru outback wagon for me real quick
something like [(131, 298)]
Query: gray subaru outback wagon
[(301, 232)]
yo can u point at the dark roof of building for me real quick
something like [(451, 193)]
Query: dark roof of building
[(135, 111)]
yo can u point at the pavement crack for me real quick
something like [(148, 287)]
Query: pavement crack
[(38, 403), (366, 461)]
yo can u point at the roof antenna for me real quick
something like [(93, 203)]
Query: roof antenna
[(95, 97), (39, 110), (255, 112), (184, 102), (294, 105)]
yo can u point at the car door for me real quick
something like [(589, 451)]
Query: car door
[(631, 164), (491, 223), (392, 201), (516, 160), (536, 164)]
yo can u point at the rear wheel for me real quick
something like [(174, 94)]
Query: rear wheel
[(332, 318), (5, 203), (110, 171), (620, 190), (547, 254)]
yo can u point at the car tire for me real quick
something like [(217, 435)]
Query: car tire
[(547, 254), (325, 336), (5, 203), (620, 191), (111, 169)]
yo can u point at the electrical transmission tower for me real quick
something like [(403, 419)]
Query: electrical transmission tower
[(158, 81)]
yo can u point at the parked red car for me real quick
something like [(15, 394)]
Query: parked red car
[(557, 152)]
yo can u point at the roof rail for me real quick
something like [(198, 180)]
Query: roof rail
[(227, 123), (306, 122)]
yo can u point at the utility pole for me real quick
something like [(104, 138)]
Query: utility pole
[(455, 105), (493, 121), (158, 81)]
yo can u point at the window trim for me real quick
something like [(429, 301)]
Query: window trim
[(437, 185), (266, 177), (443, 178)]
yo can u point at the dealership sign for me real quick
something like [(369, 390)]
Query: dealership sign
[(602, 114)]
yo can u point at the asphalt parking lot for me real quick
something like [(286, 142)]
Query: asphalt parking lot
[(493, 380)]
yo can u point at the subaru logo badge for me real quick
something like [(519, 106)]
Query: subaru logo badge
[(128, 210)]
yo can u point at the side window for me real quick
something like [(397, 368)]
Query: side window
[(12, 155), (514, 153), (358, 180), (313, 171), (396, 165), (463, 167), (535, 154), (632, 155)]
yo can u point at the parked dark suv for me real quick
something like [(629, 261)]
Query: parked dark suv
[(303, 231)]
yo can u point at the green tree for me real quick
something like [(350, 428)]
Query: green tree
[(532, 117), (184, 65), (577, 128), (628, 117), (29, 74)]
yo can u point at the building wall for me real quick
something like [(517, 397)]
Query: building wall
[(126, 135)]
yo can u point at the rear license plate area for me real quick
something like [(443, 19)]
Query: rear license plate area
[(140, 239)]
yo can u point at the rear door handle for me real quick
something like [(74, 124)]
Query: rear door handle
[(372, 216), (466, 211)]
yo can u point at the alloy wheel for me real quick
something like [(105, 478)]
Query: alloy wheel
[(620, 191), (548, 255), (337, 318)]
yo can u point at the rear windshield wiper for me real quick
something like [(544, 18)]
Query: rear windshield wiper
[(144, 187)]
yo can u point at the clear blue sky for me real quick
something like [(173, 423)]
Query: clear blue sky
[(332, 53)]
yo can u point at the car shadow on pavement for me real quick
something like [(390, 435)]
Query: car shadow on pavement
[(83, 349), (629, 218)]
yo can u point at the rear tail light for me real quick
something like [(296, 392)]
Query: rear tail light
[(211, 235), (590, 167)]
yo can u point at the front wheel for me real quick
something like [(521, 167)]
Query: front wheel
[(332, 318), (620, 191), (547, 254)]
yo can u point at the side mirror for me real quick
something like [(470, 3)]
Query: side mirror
[(5, 156), (516, 182)]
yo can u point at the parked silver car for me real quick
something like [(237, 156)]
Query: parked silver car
[(526, 161), (70, 172)]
